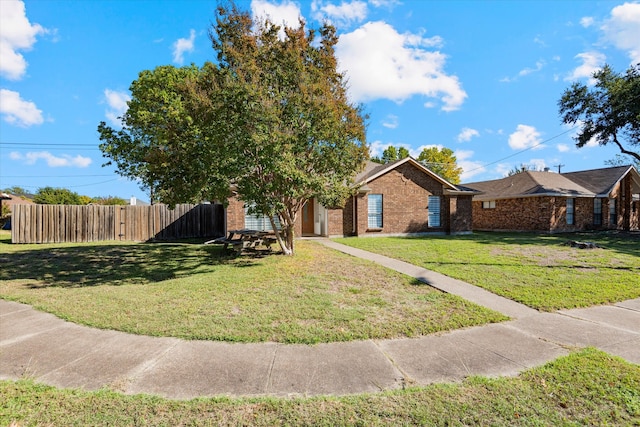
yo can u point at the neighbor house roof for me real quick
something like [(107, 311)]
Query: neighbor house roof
[(603, 181), (374, 170), (590, 183)]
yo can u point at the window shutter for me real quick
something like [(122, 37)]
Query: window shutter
[(434, 211)]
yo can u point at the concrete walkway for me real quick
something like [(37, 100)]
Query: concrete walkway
[(52, 351)]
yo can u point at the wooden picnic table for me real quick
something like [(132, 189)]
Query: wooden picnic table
[(245, 239)]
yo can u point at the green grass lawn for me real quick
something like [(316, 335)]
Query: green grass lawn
[(536, 270), (584, 388), (192, 291)]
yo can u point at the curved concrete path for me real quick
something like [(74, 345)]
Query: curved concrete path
[(59, 353)]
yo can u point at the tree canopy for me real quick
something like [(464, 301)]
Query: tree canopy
[(271, 119), (441, 161), (391, 154), (607, 112), (57, 196)]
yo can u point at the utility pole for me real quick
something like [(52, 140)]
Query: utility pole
[(558, 166)]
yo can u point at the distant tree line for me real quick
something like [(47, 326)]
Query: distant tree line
[(63, 196)]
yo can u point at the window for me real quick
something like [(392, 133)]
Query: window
[(258, 222), (489, 204), (597, 211), (434, 211), (613, 218), (570, 211), (375, 211)]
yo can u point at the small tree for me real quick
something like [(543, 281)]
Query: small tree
[(391, 154), (57, 196), (442, 162), (109, 200), (523, 168), (16, 191), (607, 112)]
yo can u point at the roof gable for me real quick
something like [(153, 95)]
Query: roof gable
[(603, 181), (374, 170)]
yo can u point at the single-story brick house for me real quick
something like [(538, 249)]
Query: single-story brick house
[(607, 198), (398, 198)]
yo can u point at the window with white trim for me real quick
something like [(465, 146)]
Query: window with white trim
[(434, 211), (374, 211), (570, 211), (258, 222), (489, 204)]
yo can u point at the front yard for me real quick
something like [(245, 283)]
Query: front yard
[(537, 270), (192, 291)]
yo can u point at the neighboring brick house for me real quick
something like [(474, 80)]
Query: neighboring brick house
[(607, 198), (398, 198)]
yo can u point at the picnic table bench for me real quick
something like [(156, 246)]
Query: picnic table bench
[(245, 239)]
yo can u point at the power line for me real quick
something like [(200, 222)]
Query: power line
[(46, 144), (522, 151), (52, 176)]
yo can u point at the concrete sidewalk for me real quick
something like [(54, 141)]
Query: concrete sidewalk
[(50, 350)]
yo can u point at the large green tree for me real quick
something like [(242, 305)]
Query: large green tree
[(441, 161), (271, 119), (161, 143), (607, 112), (295, 134)]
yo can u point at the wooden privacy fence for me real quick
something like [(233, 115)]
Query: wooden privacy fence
[(91, 223)]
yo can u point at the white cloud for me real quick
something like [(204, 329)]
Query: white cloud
[(183, 45), (391, 122), (586, 21), (503, 169), (384, 3), (342, 15), (469, 167), (286, 13), (591, 62), (563, 148), (539, 65), (525, 137), (65, 160), (466, 134), (623, 29), (384, 64), (117, 102), (376, 148), (16, 33), (537, 164), (17, 111)]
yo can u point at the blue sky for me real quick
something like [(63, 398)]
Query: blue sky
[(480, 77)]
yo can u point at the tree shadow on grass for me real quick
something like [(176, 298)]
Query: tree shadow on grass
[(85, 265)]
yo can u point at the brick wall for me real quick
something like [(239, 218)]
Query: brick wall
[(461, 214), (405, 192), (235, 214), (547, 214), (521, 214)]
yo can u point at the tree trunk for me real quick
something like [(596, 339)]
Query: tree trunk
[(287, 248)]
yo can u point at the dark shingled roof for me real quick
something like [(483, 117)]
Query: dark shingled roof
[(590, 183)]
